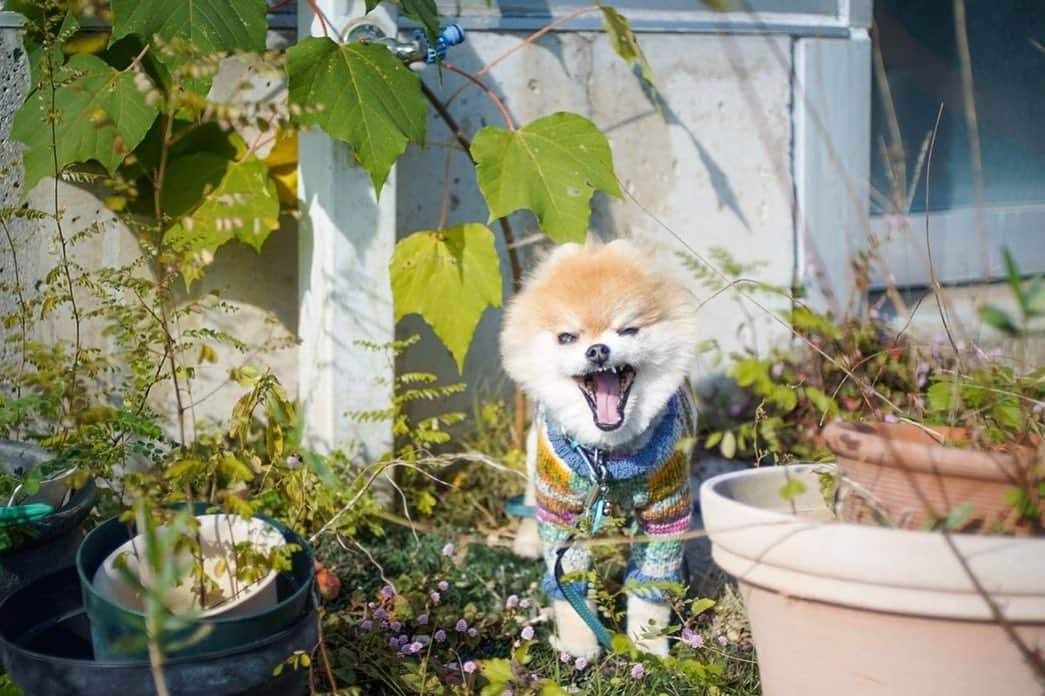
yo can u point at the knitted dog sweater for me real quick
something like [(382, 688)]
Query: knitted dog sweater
[(650, 484)]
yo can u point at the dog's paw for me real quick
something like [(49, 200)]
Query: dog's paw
[(646, 620), (527, 542), (573, 635)]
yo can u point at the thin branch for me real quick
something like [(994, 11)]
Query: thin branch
[(23, 309), (489, 92), (322, 17), (937, 289), (526, 42)]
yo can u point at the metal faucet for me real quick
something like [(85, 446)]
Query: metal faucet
[(416, 51)]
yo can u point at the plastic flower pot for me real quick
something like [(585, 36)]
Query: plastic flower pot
[(838, 608), (45, 639), (901, 474), (218, 536), (49, 544), (117, 632)]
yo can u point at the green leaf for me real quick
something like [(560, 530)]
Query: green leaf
[(712, 440), (999, 319), (449, 278), (99, 115), (792, 489), (701, 605), (207, 25), (425, 13), (552, 689), (957, 516), (496, 670), (243, 206), (940, 395), (626, 44), (728, 448), (551, 166), (821, 401), (359, 94)]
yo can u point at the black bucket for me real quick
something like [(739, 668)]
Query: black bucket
[(116, 632), (51, 545), (46, 643)]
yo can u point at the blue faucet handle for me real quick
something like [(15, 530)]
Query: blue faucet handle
[(450, 36)]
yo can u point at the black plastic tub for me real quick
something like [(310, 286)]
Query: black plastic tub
[(46, 644), (51, 545), (116, 632)]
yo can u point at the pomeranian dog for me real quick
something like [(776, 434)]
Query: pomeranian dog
[(603, 343)]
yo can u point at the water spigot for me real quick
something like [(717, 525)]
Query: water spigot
[(416, 51)]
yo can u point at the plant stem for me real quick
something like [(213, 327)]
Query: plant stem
[(23, 311), (52, 119), (526, 42), (519, 426), (489, 92)]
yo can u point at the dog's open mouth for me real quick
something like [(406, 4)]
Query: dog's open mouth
[(606, 391)]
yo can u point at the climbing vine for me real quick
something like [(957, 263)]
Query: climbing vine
[(133, 110)]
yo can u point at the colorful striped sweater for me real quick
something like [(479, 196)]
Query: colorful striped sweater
[(651, 485)]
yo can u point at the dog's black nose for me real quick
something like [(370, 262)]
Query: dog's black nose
[(598, 353)]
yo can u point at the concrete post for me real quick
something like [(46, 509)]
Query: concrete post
[(346, 239)]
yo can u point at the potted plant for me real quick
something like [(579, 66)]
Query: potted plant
[(924, 541), (46, 538)]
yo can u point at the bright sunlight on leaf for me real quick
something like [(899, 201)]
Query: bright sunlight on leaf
[(449, 278), (100, 114), (243, 206), (551, 166), (361, 95)]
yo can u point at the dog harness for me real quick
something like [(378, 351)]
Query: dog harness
[(650, 484)]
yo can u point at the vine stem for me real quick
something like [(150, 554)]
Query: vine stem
[(322, 17), (63, 243), (526, 42), (489, 92), (519, 426)]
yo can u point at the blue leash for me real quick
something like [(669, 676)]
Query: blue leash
[(596, 507)]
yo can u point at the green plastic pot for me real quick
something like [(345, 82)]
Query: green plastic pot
[(118, 633)]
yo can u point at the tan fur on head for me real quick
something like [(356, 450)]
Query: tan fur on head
[(594, 292)]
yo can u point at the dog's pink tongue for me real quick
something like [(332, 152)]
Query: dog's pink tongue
[(607, 398)]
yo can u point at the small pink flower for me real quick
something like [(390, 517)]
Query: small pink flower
[(443, 585), (469, 667), (461, 626), (449, 549), (511, 602), (692, 638), (422, 619), (527, 633), (566, 658), (472, 633), (891, 418), (638, 671), (722, 640), (581, 663), (440, 636), (434, 596), (524, 603), (388, 591)]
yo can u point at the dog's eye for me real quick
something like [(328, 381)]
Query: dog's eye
[(629, 331), (565, 338)]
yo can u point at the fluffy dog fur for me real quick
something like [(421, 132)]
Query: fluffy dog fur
[(611, 296)]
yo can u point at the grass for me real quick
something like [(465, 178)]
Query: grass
[(418, 614)]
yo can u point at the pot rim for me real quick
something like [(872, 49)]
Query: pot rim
[(87, 584), (877, 442), (878, 568)]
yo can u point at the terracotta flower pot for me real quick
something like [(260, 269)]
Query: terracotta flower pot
[(901, 475), (863, 610)]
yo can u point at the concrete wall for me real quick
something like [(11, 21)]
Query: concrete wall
[(714, 171)]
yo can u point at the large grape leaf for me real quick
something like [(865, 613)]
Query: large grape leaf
[(551, 166), (449, 278), (208, 25), (359, 94), (242, 206), (99, 115)]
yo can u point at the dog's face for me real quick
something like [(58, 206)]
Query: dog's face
[(601, 340)]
